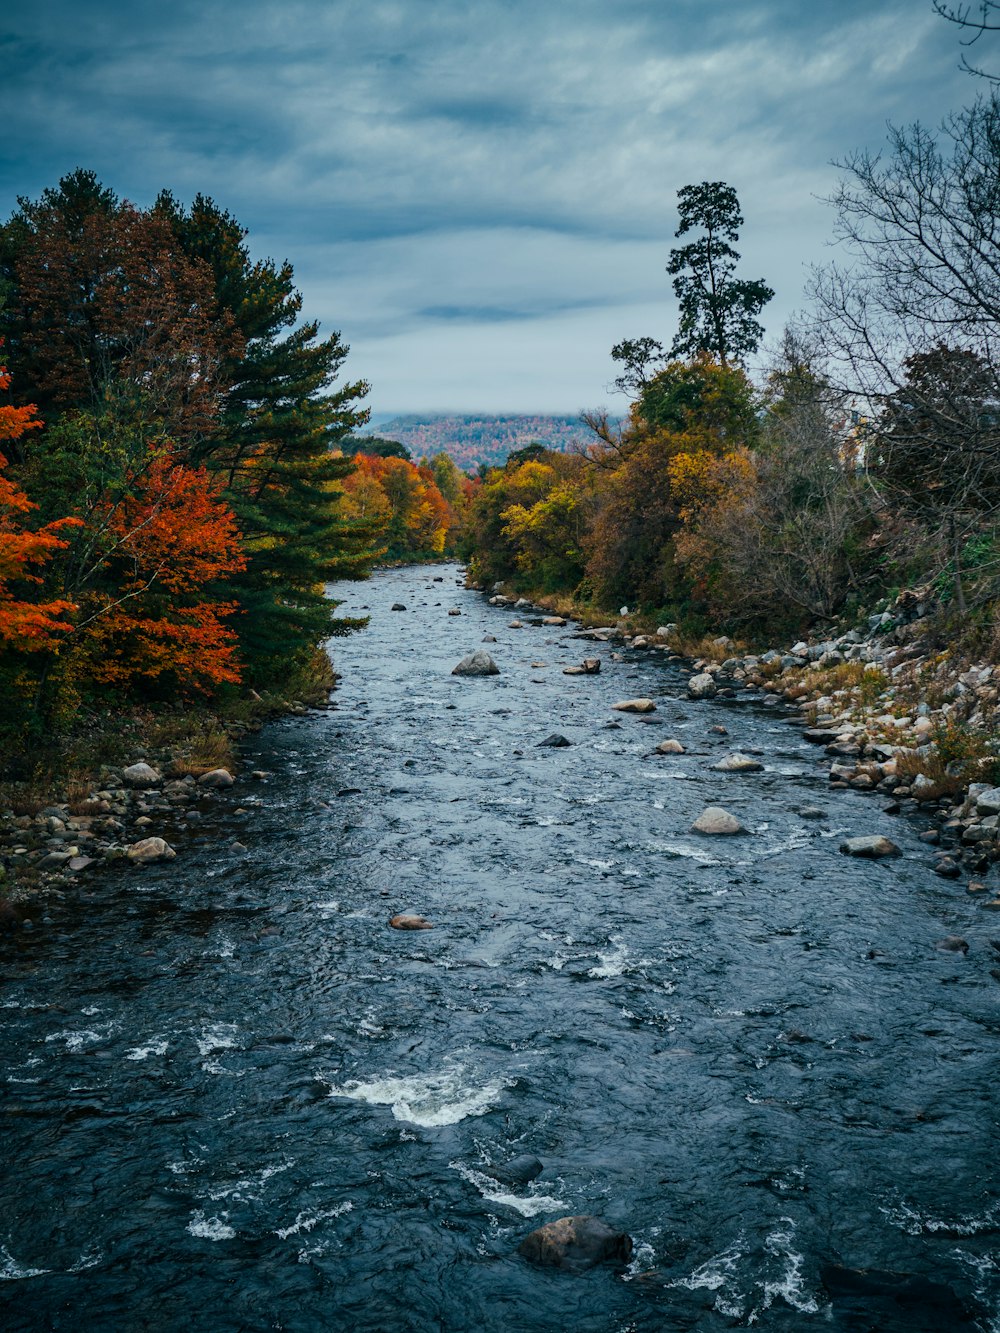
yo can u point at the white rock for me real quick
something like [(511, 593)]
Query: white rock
[(140, 775), (713, 819), (670, 747), (872, 848), (635, 706), (150, 849), (216, 777)]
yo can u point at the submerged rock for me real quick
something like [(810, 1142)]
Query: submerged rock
[(410, 921), (556, 741), (738, 763), (575, 1244), (873, 848), (635, 706), (518, 1171), (478, 663), (953, 944), (714, 820)]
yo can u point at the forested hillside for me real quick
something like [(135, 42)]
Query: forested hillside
[(477, 441)]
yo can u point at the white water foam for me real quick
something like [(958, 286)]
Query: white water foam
[(217, 1037), (76, 1041), (494, 1192), (306, 1221), (158, 1047), (914, 1223), (718, 1274), (248, 1188), (429, 1100), (616, 961), (12, 1271), (789, 1286), (210, 1228)]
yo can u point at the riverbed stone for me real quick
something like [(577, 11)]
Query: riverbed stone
[(702, 686), (553, 620), (521, 1170), (478, 663), (454, 611), (671, 746), (150, 849), (555, 741), (738, 763), (397, 606), (872, 847), (952, 944), (140, 776), (410, 921), (576, 1244), (216, 777), (714, 820), (635, 706)]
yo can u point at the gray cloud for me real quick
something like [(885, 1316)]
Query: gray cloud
[(481, 197)]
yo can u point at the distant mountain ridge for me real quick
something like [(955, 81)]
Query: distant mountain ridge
[(472, 440)]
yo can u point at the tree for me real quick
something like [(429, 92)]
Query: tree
[(961, 15), (718, 311), (918, 224), (935, 448), (27, 624)]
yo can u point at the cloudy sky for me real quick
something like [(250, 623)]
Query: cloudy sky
[(480, 196)]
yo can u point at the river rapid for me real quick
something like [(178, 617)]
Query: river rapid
[(234, 1099)]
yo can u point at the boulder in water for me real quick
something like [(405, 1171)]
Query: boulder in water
[(520, 1170), (397, 606), (702, 686), (216, 777), (410, 921), (556, 741), (671, 746), (478, 663), (738, 763), (454, 611), (150, 849), (872, 848), (635, 706), (575, 1244), (714, 820)]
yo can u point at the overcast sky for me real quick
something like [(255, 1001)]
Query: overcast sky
[(480, 196)]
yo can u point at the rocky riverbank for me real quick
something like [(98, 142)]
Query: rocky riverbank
[(890, 710)]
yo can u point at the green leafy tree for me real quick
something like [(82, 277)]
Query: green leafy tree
[(718, 311)]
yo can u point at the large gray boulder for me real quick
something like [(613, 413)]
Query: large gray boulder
[(216, 777), (478, 663), (576, 1244), (714, 820), (140, 776), (702, 686)]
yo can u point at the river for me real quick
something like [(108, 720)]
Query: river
[(234, 1099)]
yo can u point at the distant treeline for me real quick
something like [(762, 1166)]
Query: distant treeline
[(480, 441)]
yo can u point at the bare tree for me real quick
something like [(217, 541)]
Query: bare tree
[(962, 16)]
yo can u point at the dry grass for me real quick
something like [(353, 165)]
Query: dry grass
[(24, 798), (209, 748), (912, 765)]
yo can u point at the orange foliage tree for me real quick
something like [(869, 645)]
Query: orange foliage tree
[(418, 518), (166, 541), (26, 625)]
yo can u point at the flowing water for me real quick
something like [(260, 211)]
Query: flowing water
[(235, 1099)]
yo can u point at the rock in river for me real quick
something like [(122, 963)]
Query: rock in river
[(556, 741), (702, 686), (635, 706), (140, 775), (713, 819), (576, 1243), (477, 664), (671, 746), (397, 606), (216, 777), (738, 763), (873, 848), (410, 921), (150, 849)]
